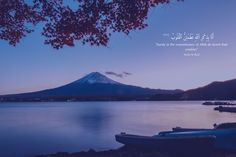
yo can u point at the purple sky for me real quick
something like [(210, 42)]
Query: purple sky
[(32, 66)]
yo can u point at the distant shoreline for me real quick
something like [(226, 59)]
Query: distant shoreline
[(135, 152), (98, 100)]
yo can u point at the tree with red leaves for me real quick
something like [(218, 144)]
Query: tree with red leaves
[(64, 21)]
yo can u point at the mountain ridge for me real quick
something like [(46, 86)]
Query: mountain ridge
[(94, 86), (217, 90)]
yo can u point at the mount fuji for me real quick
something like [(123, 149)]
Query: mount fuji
[(94, 86), (96, 77)]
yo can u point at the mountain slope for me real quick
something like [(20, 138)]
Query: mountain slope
[(215, 91)]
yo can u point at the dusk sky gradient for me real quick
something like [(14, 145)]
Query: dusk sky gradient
[(32, 66)]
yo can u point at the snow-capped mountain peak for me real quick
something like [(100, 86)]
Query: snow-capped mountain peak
[(96, 77)]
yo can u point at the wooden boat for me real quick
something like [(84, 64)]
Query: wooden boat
[(176, 144), (216, 103), (179, 129), (225, 109), (221, 137)]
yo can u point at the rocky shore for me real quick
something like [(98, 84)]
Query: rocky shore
[(134, 152)]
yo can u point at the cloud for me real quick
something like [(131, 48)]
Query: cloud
[(114, 74), (127, 73), (120, 75)]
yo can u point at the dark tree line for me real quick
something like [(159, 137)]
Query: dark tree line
[(65, 21)]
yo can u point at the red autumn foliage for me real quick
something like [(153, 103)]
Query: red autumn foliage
[(65, 21)]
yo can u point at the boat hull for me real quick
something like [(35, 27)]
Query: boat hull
[(170, 144), (225, 109)]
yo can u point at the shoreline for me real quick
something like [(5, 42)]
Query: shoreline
[(136, 152)]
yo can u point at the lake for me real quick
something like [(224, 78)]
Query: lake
[(33, 128)]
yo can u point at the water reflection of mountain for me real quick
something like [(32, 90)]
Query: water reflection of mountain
[(94, 118)]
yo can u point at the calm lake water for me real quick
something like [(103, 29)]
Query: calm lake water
[(27, 129)]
